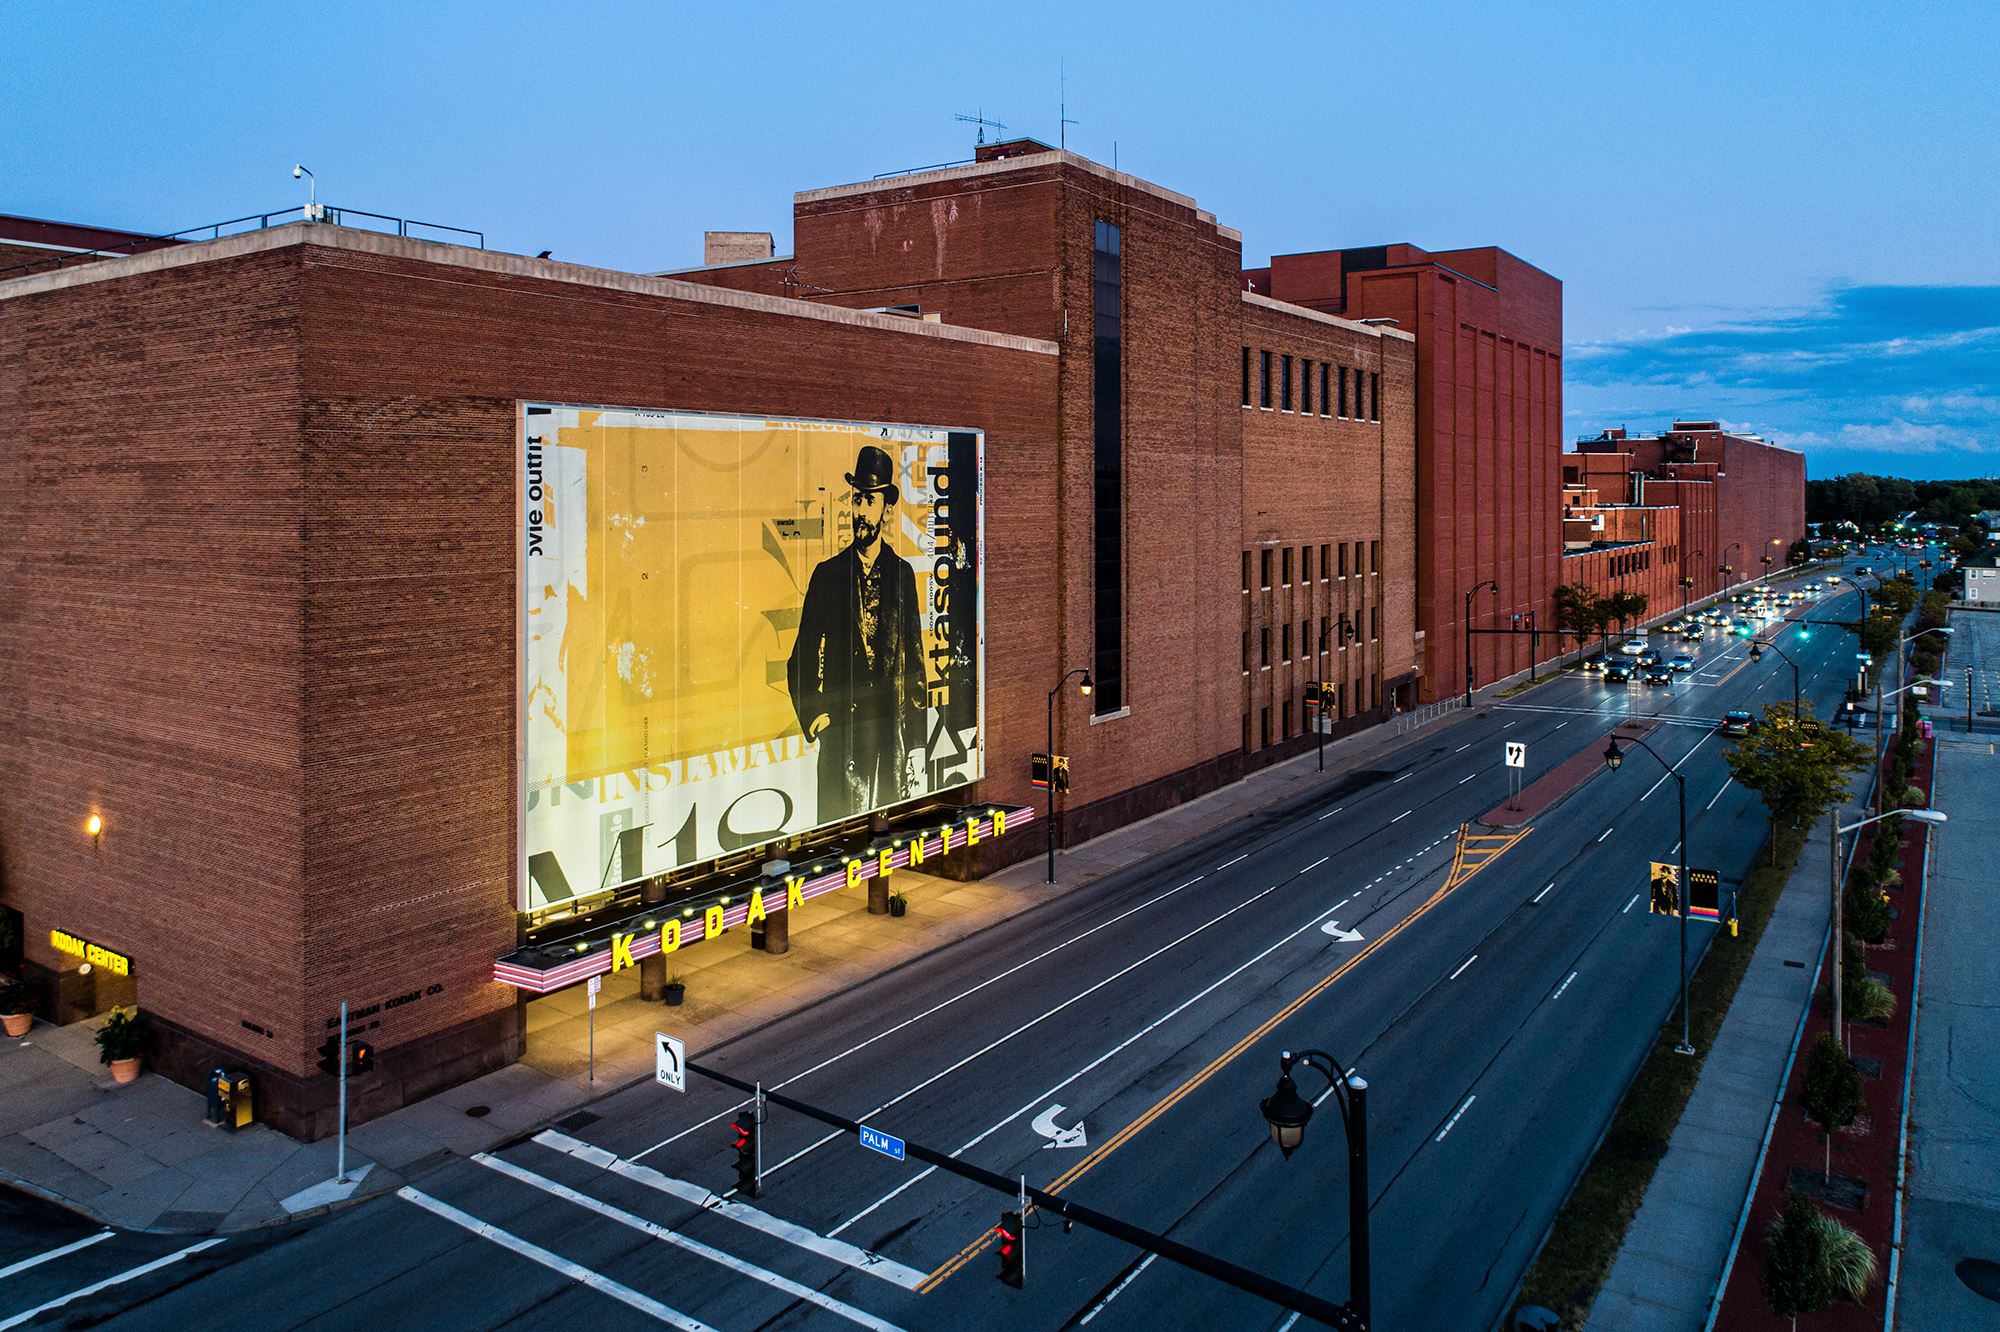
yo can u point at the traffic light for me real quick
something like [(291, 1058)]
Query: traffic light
[(329, 1056), (744, 1126), (360, 1058), (1013, 1258)]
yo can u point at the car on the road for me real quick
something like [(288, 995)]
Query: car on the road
[(1680, 661), (1632, 647), (1737, 722), (1650, 657), (1617, 672), (1591, 666), (1691, 636), (1743, 628), (1659, 674)]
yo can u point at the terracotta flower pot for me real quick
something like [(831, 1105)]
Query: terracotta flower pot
[(125, 1070), (17, 1024)]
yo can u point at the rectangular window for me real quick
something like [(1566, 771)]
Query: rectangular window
[(1374, 623), (1264, 727), (1264, 647), (1324, 571), (1375, 557), (1325, 406), (1246, 652), (1305, 564), (1264, 567), (1286, 655), (1286, 561), (1343, 559), (1246, 376), (1374, 398), (1246, 571), (1306, 644), (1359, 568), (1305, 388), (1108, 387), (1343, 392), (1264, 380), (1285, 384)]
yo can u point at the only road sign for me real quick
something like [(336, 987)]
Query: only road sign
[(670, 1062), (1517, 754), (877, 1141)]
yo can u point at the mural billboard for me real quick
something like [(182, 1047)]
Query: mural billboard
[(738, 629)]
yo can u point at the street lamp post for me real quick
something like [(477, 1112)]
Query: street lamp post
[(1287, 1112), (1758, 647), (1835, 826), (1083, 687), (1614, 757), (1347, 631), (1728, 571), (1465, 627)]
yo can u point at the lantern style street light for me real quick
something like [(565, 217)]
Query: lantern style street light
[(1287, 1113)]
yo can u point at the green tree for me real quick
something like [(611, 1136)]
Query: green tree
[(1576, 610), (1624, 607), (1797, 1279), (1798, 766), (1800, 552), (1832, 1091), (1864, 912)]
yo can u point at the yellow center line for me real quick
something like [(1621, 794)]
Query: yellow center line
[(1461, 874)]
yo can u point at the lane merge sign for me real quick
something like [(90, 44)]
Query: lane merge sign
[(877, 1141), (670, 1061), (1517, 753)]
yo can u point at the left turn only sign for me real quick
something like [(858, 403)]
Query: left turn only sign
[(670, 1061)]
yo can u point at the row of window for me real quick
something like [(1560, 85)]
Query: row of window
[(1637, 562), (1352, 395), (1333, 562), (1308, 643), (1367, 694)]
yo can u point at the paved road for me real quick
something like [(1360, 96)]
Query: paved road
[(1497, 1017)]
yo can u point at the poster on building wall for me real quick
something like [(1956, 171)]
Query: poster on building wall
[(738, 629)]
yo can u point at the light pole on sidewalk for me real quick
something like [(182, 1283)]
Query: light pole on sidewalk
[(1614, 757), (1347, 631), (1287, 1112), (1837, 828), (1758, 647), (1083, 688), (1465, 630)]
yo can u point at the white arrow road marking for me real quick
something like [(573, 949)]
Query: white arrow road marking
[(1045, 1124), (1332, 927)]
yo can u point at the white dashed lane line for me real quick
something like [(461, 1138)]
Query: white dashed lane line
[(1544, 893), (1404, 815), (1463, 1107), (1606, 833), (1462, 966), (1564, 986), (1629, 905)]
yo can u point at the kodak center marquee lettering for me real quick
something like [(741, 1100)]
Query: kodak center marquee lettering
[(116, 963), (627, 948)]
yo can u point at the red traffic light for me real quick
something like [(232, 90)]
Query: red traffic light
[(1013, 1262)]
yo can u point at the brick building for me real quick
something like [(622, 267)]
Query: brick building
[(260, 585), (1489, 435)]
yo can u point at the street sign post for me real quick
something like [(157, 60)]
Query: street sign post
[(877, 1141), (1517, 754), (596, 984), (1517, 762), (670, 1062)]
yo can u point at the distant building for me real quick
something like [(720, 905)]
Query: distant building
[(1982, 578)]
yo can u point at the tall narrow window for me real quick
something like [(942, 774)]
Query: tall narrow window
[(1108, 387), (1325, 559), (1264, 380), (1305, 388), (1375, 557), (1374, 396), (1246, 376), (1264, 567), (1343, 392), (1285, 384), (1285, 561), (1325, 403)]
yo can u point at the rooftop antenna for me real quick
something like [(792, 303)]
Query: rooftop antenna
[(314, 213), (983, 123), (1063, 122)]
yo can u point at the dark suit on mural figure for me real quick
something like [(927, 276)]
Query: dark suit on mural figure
[(857, 669)]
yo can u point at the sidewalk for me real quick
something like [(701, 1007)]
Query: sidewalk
[(140, 1157), (1951, 1210), (1668, 1268)]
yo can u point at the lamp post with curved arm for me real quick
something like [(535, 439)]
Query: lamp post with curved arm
[(1084, 688), (1758, 647), (1287, 1112), (1614, 757), (1465, 629), (1728, 570), (1347, 631), (1839, 939)]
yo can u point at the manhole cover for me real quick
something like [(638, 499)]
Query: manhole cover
[(1982, 1275), (478, 1111)]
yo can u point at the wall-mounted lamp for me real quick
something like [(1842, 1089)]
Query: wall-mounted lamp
[(94, 825)]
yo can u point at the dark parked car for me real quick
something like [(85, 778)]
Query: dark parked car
[(1737, 723)]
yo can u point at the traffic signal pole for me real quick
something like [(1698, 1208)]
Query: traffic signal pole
[(340, 1173), (1242, 1278)]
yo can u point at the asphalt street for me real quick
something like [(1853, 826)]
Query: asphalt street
[(1112, 1045)]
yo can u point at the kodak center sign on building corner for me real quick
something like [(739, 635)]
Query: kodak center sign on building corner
[(736, 630)]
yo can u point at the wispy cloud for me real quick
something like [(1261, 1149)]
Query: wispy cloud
[(1894, 379)]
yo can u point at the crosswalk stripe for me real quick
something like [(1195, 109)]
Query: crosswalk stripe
[(840, 1251), (694, 1246), (555, 1262), (131, 1274), (53, 1254)]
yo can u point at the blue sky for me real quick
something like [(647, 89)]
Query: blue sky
[(1777, 215)]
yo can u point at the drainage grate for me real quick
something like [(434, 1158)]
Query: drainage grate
[(579, 1121), (1800, 965)]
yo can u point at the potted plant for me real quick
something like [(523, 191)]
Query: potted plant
[(16, 1006), (120, 1041), (675, 990), (898, 903)]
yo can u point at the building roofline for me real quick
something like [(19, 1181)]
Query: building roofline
[(352, 239), (726, 263), (1351, 325)]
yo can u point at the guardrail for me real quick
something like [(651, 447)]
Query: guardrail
[(1427, 714), (401, 226)]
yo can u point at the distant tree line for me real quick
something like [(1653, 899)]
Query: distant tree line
[(1870, 501)]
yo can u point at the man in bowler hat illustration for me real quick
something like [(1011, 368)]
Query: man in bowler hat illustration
[(857, 669)]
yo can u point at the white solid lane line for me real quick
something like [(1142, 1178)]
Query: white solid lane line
[(555, 1262), (1629, 905), (1330, 813), (840, 1251), (1468, 777), (1462, 748), (1404, 815), (1544, 893), (1404, 777), (679, 1241), (1463, 1107), (130, 1274), (1718, 794), (1462, 966), (1116, 1290), (1606, 833), (1560, 725), (53, 1254)]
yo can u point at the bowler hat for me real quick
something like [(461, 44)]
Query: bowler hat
[(874, 471)]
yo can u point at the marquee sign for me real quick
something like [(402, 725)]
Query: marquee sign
[(83, 950)]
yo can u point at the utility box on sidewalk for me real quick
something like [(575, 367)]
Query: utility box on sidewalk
[(229, 1100)]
